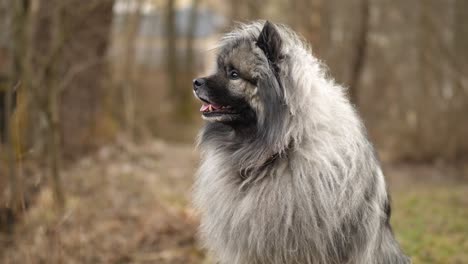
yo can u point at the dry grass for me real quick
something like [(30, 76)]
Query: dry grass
[(125, 205), (129, 204)]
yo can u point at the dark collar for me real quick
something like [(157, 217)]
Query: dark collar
[(244, 174), (270, 160)]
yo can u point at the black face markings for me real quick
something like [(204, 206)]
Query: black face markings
[(241, 67), (217, 93), (216, 89)]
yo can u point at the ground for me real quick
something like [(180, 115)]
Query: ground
[(130, 204), (430, 212)]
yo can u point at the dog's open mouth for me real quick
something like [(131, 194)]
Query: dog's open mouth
[(209, 109)]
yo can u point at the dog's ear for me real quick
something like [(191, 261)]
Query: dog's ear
[(270, 42)]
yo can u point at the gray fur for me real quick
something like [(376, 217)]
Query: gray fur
[(323, 200)]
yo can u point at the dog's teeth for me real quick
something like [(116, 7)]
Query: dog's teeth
[(210, 108)]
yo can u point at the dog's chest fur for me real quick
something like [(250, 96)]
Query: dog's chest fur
[(242, 220)]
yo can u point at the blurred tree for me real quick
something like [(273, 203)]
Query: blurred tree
[(179, 75), (234, 9), (171, 47), (56, 58), (460, 68), (15, 190), (191, 34), (343, 40), (411, 92), (254, 9), (86, 77), (129, 77), (245, 10), (53, 101), (19, 20), (177, 90), (189, 71), (307, 25), (359, 58)]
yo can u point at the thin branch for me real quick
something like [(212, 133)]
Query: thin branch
[(72, 73)]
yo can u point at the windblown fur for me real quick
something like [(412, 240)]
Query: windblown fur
[(302, 183)]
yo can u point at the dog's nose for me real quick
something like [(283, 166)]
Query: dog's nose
[(197, 83)]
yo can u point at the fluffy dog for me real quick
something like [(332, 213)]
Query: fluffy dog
[(287, 172)]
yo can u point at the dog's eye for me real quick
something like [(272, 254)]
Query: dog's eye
[(233, 75)]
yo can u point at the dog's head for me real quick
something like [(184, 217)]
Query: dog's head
[(246, 89)]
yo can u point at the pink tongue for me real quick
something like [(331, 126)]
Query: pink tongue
[(204, 107)]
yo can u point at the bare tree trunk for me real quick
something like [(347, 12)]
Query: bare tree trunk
[(307, 25), (129, 85), (55, 148), (178, 92), (245, 10), (255, 9), (171, 47), (185, 102), (235, 9), (460, 67), (343, 38), (314, 23), (14, 183), (53, 106), (192, 26), (357, 63), (20, 20)]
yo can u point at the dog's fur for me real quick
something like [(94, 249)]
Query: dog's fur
[(287, 174)]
